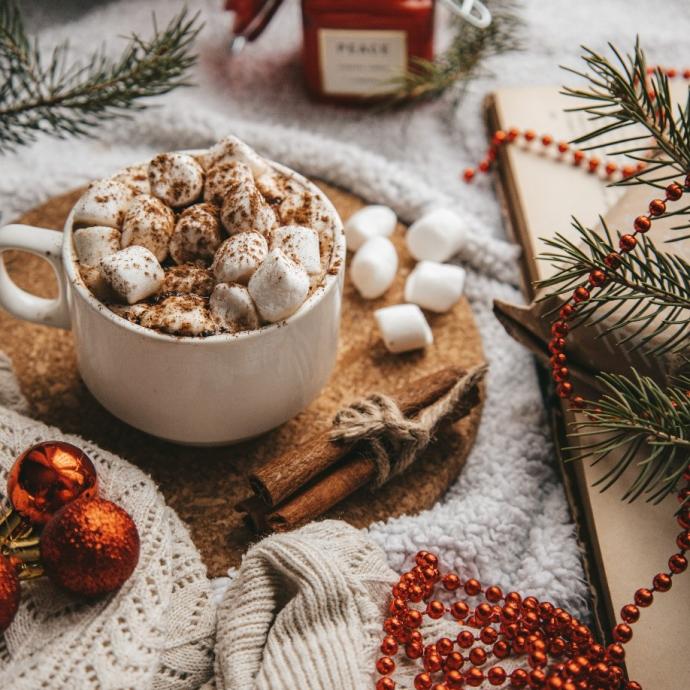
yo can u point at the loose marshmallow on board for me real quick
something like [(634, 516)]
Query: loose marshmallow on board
[(300, 244), (148, 223), (368, 222), (373, 267), (92, 244), (176, 178), (223, 177), (435, 286), (279, 287), (197, 234), (180, 315), (133, 273), (239, 256), (245, 210), (233, 308), (105, 202), (403, 327), (436, 236), (232, 149)]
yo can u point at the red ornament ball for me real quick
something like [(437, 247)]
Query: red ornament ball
[(9, 593), (47, 477), (90, 547)]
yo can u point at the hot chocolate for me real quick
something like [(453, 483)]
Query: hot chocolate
[(204, 244)]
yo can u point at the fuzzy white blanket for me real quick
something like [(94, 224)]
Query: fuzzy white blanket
[(505, 520)]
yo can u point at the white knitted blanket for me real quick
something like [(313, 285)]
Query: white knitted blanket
[(505, 520)]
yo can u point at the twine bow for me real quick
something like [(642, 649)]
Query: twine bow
[(395, 440)]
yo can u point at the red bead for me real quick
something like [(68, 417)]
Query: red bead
[(581, 294), (674, 191), (513, 133), (630, 613), (488, 635), (547, 140), (474, 677), (454, 661), (397, 605), (530, 135), (597, 278), (554, 683), (435, 609), (451, 582), (683, 540), (627, 243), (564, 390), (632, 685), (385, 684), (454, 679), (686, 74), (459, 610), (593, 164), (414, 650), (477, 656), (566, 311), (385, 665), (556, 345), (613, 260), (392, 625), (611, 168), (578, 157), (616, 652), (496, 675), (677, 563), (562, 147), (642, 223), (537, 659), (423, 681), (559, 328), (484, 166), (415, 636), (433, 663), (440, 686), (472, 587), (483, 612), (537, 678), (657, 207), (465, 639), (444, 646), (662, 582), (557, 646), (578, 402), (389, 646), (623, 632), (644, 597), (628, 170), (431, 559), (558, 359), (420, 558), (499, 136), (416, 593), (518, 678), (671, 73)]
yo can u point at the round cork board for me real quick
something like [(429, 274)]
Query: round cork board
[(203, 485)]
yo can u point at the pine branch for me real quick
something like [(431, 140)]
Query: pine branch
[(60, 99), (621, 94), (635, 414), (427, 80), (649, 294)]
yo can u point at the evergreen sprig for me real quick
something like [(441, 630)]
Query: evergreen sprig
[(648, 295), (633, 414), (427, 80), (60, 98)]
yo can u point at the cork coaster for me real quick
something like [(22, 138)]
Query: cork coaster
[(203, 485)]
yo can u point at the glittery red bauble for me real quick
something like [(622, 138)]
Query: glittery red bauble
[(90, 547), (9, 593), (47, 477)]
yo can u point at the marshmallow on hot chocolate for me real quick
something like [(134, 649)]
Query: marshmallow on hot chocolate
[(95, 280), (135, 177), (233, 308), (239, 257), (279, 287), (187, 279), (245, 210), (373, 267), (95, 242), (105, 202), (435, 286), (403, 327), (148, 223), (436, 236), (180, 315), (233, 149), (176, 178), (133, 273), (303, 208), (300, 244), (197, 234), (131, 312), (223, 177), (368, 222)]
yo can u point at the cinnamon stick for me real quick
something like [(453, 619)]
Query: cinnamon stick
[(281, 477)]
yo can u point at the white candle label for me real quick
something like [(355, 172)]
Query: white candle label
[(361, 63)]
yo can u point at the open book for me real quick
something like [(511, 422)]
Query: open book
[(625, 545)]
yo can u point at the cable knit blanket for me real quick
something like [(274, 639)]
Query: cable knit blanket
[(505, 520)]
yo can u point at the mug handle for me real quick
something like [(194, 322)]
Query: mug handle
[(46, 244), (473, 11)]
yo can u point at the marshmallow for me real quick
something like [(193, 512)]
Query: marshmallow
[(176, 178), (373, 267), (105, 202), (245, 210), (93, 278), (233, 309), (403, 327), (273, 186), (304, 208), (232, 149), (133, 273), (135, 177), (187, 279), (148, 223), (436, 236), (92, 244), (368, 222), (435, 286), (278, 287), (223, 177), (180, 315), (239, 257), (131, 312), (197, 234), (299, 244)]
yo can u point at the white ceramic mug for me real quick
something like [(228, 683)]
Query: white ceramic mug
[(199, 391)]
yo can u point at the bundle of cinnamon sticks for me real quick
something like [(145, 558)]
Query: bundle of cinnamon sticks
[(308, 480)]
